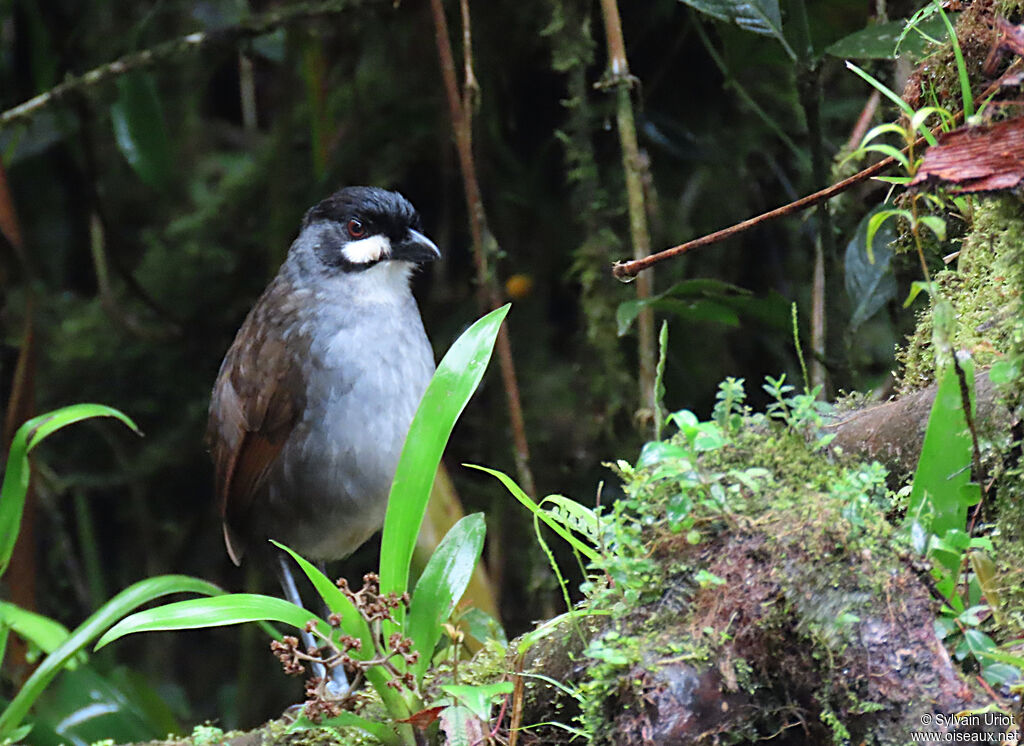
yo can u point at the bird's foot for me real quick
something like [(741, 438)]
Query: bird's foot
[(337, 686)]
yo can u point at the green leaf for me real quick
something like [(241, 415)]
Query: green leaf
[(45, 633), (479, 697), (442, 584), (943, 472), (965, 84), (131, 598), (889, 94), (539, 512), (701, 300), (16, 476), (220, 611), (935, 224), (879, 41), (140, 130), (483, 626), (890, 151), (915, 289), (85, 707), (870, 284), (875, 222), (460, 726), (574, 516), (759, 16), (1004, 372), (352, 621), (457, 377)]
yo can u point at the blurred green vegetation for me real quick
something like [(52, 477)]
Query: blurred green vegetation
[(154, 209)]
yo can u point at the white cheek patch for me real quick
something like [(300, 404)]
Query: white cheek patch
[(367, 250)]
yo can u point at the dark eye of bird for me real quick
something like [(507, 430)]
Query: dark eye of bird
[(356, 229)]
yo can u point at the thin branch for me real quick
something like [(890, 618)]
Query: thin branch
[(484, 244), (630, 269), (257, 25), (627, 270)]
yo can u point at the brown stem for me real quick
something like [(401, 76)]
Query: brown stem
[(629, 270), (618, 77), (256, 25), (484, 243)]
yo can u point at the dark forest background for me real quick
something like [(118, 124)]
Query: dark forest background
[(155, 206)]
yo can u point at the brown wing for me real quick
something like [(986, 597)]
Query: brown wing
[(255, 403)]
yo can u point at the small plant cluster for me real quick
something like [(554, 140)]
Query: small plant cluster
[(335, 650)]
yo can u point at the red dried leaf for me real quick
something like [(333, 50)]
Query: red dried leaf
[(424, 718), (977, 159)]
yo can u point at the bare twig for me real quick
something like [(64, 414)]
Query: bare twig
[(257, 25), (619, 78), (484, 243), (630, 269)]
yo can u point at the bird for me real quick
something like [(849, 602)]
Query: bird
[(314, 398)]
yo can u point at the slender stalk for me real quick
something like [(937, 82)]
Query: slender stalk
[(627, 270), (618, 77), (484, 243)]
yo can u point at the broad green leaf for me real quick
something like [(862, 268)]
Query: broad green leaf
[(935, 224), (140, 129), (759, 16), (1004, 372), (45, 633), (457, 377), (879, 41), (478, 697), (483, 626), (127, 600), (86, 707), (539, 512), (694, 300), (706, 310), (460, 726), (220, 611), (16, 475), (978, 642), (943, 469), (442, 584), (870, 285)]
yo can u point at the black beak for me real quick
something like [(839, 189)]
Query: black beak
[(416, 248)]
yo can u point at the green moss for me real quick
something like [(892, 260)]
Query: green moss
[(985, 290)]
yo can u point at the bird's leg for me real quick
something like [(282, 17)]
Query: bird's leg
[(339, 683), (292, 594)]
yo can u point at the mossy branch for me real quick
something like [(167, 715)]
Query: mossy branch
[(257, 25)]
